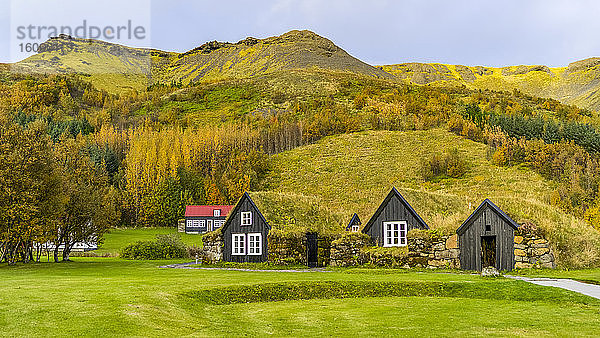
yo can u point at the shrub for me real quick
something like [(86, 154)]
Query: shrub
[(451, 164), (164, 247)]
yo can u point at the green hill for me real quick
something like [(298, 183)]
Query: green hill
[(577, 84), (116, 68), (354, 172)]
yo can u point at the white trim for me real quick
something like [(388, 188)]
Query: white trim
[(254, 244), (209, 225), (355, 228), (238, 244), (246, 218), (394, 233), (217, 213), (188, 223), (195, 223), (202, 223)]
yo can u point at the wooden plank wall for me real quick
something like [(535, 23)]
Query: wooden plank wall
[(258, 225), (470, 241), (395, 210)]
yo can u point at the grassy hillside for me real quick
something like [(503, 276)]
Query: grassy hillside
[(354, 172), (117, 68), (576, 84)]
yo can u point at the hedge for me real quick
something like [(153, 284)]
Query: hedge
[(164, 247)]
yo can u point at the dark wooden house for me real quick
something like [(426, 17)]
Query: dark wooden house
[(200, 219), (245, 233), (354, 225), (393, 219), (486, 238)]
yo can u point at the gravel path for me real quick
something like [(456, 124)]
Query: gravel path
[(192, 266), (591, 290)]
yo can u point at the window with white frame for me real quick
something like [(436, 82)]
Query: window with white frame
[(196, 223), (246, 218), (202, 223), (209, 224), (255, 244), (189, 223), (238, 247), (219, 224), (355, 228), (394, 233), (217, 213)]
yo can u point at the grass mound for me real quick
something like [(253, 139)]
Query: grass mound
[(271, 292)]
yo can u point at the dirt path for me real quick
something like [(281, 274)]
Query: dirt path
[(567, 284)]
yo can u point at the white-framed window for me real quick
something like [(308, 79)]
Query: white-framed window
[(209, 224), (217, 213), (246, 217), (394, 233), (238, 247), (355, 228), (219, 224), (195, 223), (189, 223), (201, 224), (255, 244)]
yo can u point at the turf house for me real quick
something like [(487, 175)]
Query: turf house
[(391, 222), (275, 227)]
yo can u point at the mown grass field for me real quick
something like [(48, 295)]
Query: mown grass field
[(118, 238), (114, 297), (354, 172)]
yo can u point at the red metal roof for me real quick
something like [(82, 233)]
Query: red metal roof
[(206, 210)]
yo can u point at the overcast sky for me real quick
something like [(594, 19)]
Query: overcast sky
[(493, 33)]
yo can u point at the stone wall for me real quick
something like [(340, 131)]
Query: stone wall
[(532, 249), (349, 249), (425, 249), (212, 249), (428, 249)]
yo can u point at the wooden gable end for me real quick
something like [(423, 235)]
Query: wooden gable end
[(487, 221), (393, 208), (234, 227)]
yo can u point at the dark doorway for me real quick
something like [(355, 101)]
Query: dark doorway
[(312, 249), (488, 251)]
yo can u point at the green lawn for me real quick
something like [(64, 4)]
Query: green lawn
[(116, 239), (114, 297)]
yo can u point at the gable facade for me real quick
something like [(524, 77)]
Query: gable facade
[(486, 238), (393, 219), (245, 233), (354, 225)]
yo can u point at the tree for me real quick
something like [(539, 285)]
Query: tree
[(28, 189), (89, 201)]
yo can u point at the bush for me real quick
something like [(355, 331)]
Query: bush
[(451, 164), (164, 247)]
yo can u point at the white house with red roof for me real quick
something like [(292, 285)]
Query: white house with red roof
[(200, 219)]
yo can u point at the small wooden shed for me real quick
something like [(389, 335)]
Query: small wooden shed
[(486, 238), (354, 225), (245, 233), (393, 219)]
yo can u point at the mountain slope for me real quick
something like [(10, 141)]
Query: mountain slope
[(354, 172), (116, 68), (577, 84)]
